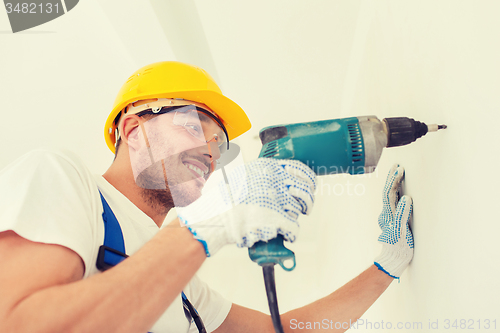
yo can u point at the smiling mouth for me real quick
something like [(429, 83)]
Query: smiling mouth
[(197, 172)]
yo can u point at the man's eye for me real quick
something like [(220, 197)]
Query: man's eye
[(194, 128)]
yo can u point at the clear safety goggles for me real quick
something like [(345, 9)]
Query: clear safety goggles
[(199, 122)]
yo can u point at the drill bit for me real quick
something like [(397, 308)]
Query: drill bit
[(435, 127)]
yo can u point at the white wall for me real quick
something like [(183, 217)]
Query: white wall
[(290, 61), (436, 62)]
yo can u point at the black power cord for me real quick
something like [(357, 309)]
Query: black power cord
[(269, 281)]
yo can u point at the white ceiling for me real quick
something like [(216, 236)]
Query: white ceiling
[(282, 61)]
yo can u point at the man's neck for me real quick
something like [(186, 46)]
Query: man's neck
[(122, 179)]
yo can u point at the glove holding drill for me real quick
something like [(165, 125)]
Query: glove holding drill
[(262, 199), (396, 237)]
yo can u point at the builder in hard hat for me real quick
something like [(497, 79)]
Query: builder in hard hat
[(90, 253)]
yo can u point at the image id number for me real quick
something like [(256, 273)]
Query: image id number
[(470, 324), (32, 8)]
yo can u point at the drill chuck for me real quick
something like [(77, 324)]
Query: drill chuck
[(402, 130)]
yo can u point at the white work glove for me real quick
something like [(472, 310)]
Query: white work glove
[(264, 198), (396, 237)]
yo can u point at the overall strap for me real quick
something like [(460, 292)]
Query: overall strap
[(112, 252), (192, 314)]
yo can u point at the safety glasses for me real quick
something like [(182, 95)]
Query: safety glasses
[(201, 125), (198, 122)]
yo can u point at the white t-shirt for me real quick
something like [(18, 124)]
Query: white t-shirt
[(51, 197)]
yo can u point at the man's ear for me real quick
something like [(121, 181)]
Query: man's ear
[(130, 131)]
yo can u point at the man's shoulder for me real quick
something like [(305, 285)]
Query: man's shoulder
[(51, 154), (51, 157), (43, 166)]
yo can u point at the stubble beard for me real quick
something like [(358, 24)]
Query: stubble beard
[(161, 195), (160, 200)]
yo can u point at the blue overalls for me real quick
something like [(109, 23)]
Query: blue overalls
[(112, 252)]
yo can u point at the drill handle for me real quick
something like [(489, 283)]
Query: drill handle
[(272, 252)]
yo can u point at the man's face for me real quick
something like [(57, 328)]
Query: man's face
[(173, 160)]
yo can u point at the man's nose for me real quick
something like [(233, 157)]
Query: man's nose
[(213, 150)]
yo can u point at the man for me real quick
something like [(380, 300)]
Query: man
[(173, 123)]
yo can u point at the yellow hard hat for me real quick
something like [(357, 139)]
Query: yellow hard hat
[(172, 79)]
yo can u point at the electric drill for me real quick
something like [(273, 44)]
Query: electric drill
[(348, 145)]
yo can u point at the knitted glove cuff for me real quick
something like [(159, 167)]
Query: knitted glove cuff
[(243, 225), (394, 259), (212, 235)]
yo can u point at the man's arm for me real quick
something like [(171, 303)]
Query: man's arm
[(344, 306), (41, 286)]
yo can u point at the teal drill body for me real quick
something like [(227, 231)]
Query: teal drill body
[(326, 146)]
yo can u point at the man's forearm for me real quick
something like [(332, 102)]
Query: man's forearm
[(345, 305), (127, 298)]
